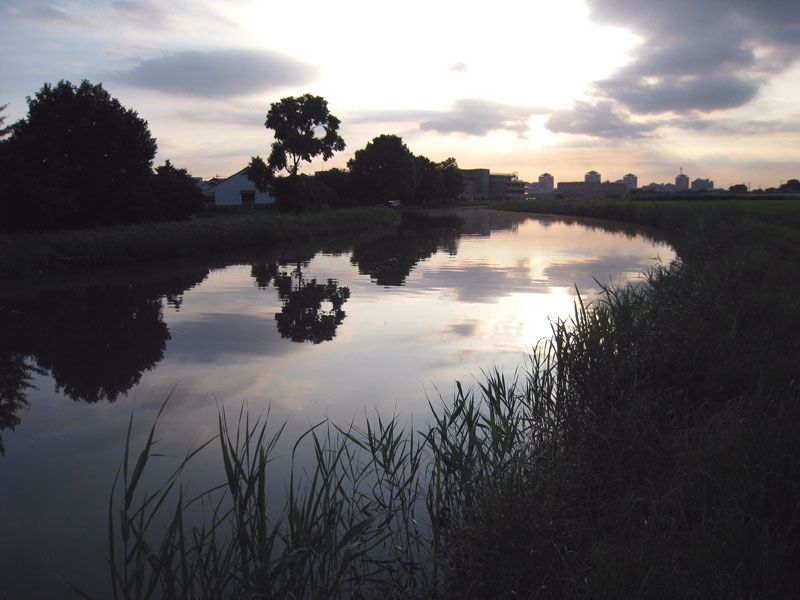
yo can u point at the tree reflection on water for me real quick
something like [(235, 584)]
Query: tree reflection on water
[(95, 342), (311, 311)]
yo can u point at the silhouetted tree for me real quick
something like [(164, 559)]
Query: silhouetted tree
[(296, 123), (176, 195), (80, 158), (429, 183), (793, 185), (452, 179), (304, 129), (4, 131), (260, 174), (342, 184), (739, 188), (384, 170)]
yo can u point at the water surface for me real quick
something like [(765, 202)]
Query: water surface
[(338, 332)]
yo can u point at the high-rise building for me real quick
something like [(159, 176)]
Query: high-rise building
[(631, 181), (682, 182), (592, 177), (546, 182)]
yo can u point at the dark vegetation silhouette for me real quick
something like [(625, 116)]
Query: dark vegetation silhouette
[(311, 311), (81, 159), (303, 129), (389, 260), (95, 342), (384, 172)]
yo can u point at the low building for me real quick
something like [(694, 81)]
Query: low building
[(700, 185), (236, 190), (506, 186), (585, 189), (476, 184)]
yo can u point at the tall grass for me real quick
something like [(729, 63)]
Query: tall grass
[(29, 253), (648, 448)]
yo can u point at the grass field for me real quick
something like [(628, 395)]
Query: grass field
[(25, 254)]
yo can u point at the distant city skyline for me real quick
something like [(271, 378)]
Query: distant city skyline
[(615, 86)]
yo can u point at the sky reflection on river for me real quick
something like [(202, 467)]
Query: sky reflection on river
[(394, 321)]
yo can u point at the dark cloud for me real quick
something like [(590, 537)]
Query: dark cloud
[(698, 56), (479, 117), (684, 95), (599, 119), (694, 58), (464, 329), (733, 127), (218, 73)]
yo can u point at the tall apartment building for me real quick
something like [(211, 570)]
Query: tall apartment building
[(631, 181), (592, 177), (682, 182), (546, 183)]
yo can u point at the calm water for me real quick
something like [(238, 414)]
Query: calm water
[(365, 325)]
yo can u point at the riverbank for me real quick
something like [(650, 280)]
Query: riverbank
[(649, 448), (25, 254)]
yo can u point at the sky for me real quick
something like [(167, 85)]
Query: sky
[(618, 86)]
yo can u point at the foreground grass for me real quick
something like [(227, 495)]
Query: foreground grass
[(25, 254), (648, 449)]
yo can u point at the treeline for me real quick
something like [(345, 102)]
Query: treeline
[(81, 159), (384, 172)]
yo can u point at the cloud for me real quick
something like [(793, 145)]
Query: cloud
[(694, 58), (216, 337), (459, 67), (725, 127), (479, 117), (599, 119), (698, 56), (49, 14), (218, 73), (141, 11), (468, 116)]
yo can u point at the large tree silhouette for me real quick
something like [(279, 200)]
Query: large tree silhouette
[(79, 158)]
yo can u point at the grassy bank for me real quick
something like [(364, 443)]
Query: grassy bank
[(25, 254), (648, 449)]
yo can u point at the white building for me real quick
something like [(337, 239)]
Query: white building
[(592, 177), (681, 182), (631, 181), (546, 183), (236, 190)]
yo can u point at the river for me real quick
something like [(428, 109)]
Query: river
[(339, 330)]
